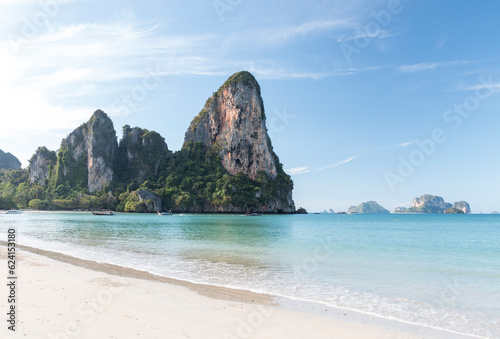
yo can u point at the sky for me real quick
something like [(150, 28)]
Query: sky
[(365, 100)]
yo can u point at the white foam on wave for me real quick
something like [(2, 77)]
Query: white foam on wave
[(281, 284)]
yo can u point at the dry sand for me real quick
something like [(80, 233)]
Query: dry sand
[(63, 297)]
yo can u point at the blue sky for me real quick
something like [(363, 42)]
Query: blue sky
[(351, 88)]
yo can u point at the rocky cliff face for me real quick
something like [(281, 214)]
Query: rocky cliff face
[(41, 163), (463, 206), (368, 207), (434, 204), (227, 163), (140, 154), (86, 156), (151, 200), (234, 120), (9, 161), (431, 201)]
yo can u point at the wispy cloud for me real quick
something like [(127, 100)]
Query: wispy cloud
[(492, 86), (283, 73), (304, 169), (354, 70), (424, 66), (297, 170), (286, 33), (337, 164), (418, 67), (380, 34), (404, 144)]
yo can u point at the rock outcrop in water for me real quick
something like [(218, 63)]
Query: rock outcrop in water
[(85, 158), (9, 161), (433, 204), (41, 164), (463, 206), (453, 210), (368, 207)]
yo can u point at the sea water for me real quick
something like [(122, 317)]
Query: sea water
[(434, 270)]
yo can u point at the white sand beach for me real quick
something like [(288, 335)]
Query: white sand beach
[(64, 297)]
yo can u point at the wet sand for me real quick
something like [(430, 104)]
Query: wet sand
[(59, 296)]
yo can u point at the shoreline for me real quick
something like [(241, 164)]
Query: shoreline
[(243, 213), (149, 213), (345, 318)]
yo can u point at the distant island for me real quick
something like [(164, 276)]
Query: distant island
[(368, 207), (9, 161), (453, 210), (226, 165), (433, 204)]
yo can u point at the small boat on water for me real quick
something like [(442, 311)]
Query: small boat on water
[(12, 212), (253, 214), (164, 213), (352, 212), (340, 212), (103, 213)]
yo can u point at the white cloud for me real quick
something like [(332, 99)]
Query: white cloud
[(43, 83), (424, 66), (76, 60), (381, 34), (418, 67), (337, 164), (297, 170), (493, 87), (283, 34)]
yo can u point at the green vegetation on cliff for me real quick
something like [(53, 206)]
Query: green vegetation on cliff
[(190, 180), (194, 179), (453, 210), (140, 155), (246, 78), (140, 174), (9, 161)]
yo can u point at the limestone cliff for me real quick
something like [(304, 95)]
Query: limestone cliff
[(434, 204), (9, 161), (368, 207), (463, 206), (41, 163), (140, 154), (151, 200), (453, 210), (86, 156), (233, 122), (431, 202)]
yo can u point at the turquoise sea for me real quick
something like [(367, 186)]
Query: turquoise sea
[(434, 270)]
